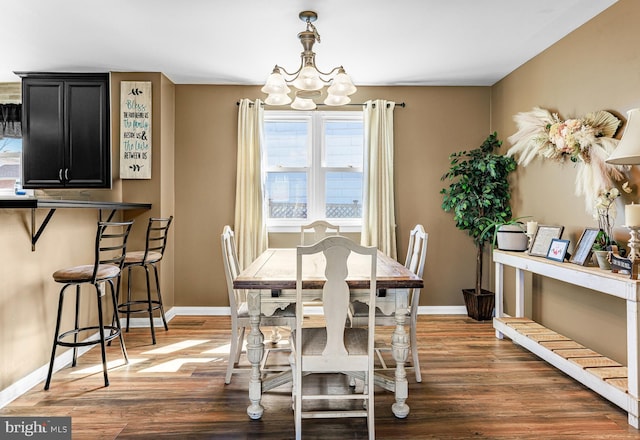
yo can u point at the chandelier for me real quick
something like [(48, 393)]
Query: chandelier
[(308, 80)]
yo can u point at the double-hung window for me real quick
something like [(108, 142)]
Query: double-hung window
[(313, 165)]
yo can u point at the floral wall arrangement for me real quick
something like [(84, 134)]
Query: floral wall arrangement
[(587, 142)]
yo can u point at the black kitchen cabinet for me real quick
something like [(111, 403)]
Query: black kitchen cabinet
[(66, 130)]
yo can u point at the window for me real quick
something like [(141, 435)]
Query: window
[(313, 164), (10, 166)]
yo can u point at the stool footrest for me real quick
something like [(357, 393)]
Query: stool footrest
[(155, 305), (114, 332)]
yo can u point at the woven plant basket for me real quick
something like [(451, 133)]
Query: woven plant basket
[(479, 307)]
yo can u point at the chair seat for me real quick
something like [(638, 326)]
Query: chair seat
[(78, 274), (136, 257), (314, 341)]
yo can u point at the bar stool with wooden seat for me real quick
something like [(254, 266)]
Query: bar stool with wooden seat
[(156, 242), (110, 249)]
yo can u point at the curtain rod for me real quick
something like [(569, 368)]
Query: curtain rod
[(400, 104)]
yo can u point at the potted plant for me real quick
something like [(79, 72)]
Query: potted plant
[(479, 196), (605, 213), (509, 235)]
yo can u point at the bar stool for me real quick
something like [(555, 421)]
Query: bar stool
[(110, 249), (156, 242)]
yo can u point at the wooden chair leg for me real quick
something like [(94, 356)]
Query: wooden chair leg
[(414, 352)]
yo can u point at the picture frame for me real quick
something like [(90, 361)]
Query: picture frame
[(583, 248), (542, 239), (557, 249)]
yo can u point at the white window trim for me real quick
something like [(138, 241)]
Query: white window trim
[(316, 172)]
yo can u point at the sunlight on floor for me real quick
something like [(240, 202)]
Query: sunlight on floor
[(175, 364), (110, 365), (178, 346)]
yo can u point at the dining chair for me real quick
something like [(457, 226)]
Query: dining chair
[(240, 310), (109, 250), (156, 243), (317, 231), (416, 256), (333, 347)]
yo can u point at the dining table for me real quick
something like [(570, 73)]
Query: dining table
[(270, 284)]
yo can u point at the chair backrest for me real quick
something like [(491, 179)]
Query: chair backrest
[(335, 301), (231, 266), (417, 250), (317, 230), (111, 245), (416, 256), (157, 234)]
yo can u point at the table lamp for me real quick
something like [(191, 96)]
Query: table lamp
[(628, 153)]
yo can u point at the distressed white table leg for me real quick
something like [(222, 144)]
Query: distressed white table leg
[(255, 351), (499, 302), (633, 359), (400, 349)]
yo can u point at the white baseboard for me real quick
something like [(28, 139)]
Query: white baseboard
[(23, 385), (20, 387)]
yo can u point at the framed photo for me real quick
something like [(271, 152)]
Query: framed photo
[(557, 249), (542, 240), (583, 248)]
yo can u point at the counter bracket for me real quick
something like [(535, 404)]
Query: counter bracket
[(45, 222)]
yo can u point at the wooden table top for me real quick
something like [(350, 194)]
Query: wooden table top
[(275, 269)]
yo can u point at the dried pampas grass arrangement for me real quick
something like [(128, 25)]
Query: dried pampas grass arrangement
[(586, 141)]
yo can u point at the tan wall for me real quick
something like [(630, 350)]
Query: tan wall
[(435, 122), (594, 68), (159, 190)]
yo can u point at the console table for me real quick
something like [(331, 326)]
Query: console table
[(615, 382)]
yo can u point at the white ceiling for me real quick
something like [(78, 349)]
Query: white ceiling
[(379, 42)]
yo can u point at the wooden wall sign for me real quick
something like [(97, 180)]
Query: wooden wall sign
[(135, 130)]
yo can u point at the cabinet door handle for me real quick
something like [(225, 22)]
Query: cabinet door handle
[(60, 174), (66, 174)]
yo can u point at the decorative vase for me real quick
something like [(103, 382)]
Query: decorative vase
[(512, 238), (479, 307), (601, 258)]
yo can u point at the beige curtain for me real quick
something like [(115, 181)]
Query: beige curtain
[(250, 226), (378, 217)]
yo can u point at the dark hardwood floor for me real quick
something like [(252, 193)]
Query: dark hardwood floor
[(474, 387)]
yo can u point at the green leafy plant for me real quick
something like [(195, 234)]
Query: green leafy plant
[(479, 194)]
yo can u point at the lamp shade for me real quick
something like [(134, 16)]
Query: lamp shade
[(342, 85), (337, 100), (276, 84), (628, 150), (308, 79), (277, 99), (303, 104)]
